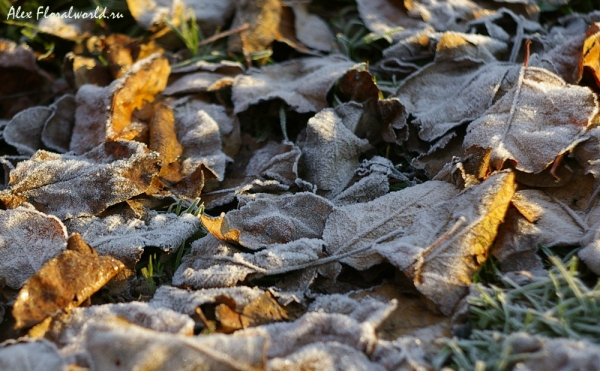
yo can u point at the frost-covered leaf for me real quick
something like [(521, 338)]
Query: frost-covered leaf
[(366, 189), (538, 119), (24, 131), (210, 14), (185, 301), (384, 16), (332, 356), (28, 239), (70, 186), (540, 220), (266, 221), (213, 263), (301, 83), (39, 355), (199, 82), (106, 113), (73, 29), (133, 347), (199, 127), (277, 161), (63, 282), (471, 86), (331, 152), (311, 30), (57, 131), (445, 245), (363, 309), (356, 227), (126, 239)]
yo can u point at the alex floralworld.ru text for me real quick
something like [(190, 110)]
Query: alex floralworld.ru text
[(44, 12)]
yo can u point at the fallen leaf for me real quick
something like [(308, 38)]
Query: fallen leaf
[(80, 70), (330, 153), (129, 346), (540, 118), (72, 29), (366, 189), (458, 235), (28, 239), (302, 83), (24, 131), (63, 282), (311, 30), (57, 130), (106, 113), (260, 311), (36, 355), (263, 16), (384, 16), (70, 186), (358, 226), (270, 221), (589, 64), (199, 82)]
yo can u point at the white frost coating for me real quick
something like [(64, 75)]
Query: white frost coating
[(366, 189), (133, 347), (199, 127), (331, 152), (301, 83), (25, 129), (39, 355), (185, 301), (197, 83), (213, 263), (314, 328), (28, 239), (331, 356), (540, 118), (365, 310), (311, 30), (126, 239), (357, 226), (472, 88)]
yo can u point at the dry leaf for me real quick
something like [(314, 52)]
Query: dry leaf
[(106, 113), (366, 189), (540, 118), (213, 263), (199, 82), (311, 30), (331, 152), (263, 16), (69, 186), (131, 347), (126, 239), (472, 86), (446, 244), (23, 83), (72, 29), (79, 70), (539, 220), (56, 134), (277, 161), (272, 221), (589, 64), (63, 282), (28, 239), (260, 311), (210, 14), (302, 83), (39, 355), (355, 227), (384, 16), (24, 131)]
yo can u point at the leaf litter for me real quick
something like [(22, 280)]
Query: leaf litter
[(288, 206)]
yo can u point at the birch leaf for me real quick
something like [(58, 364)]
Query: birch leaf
[(344, 232), (301, 83), (28, 239), (70, 186), (331, 152), (540, 118), (63, 282), (446, 245), (269, 221)]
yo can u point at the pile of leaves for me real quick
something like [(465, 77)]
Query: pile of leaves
[(369, 185)]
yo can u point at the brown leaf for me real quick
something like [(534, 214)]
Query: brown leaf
[(266, 221), (301, 83), (589, 64), (311, 30), (540, 118), (28, 239), (64, 282), (69, 186), (163, 138), (260, 311), (263, 16), (106, 113)]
